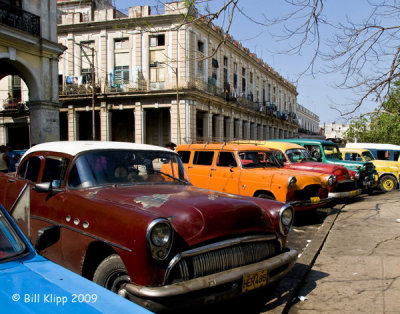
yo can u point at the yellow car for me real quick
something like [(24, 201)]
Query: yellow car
[(388, 171)]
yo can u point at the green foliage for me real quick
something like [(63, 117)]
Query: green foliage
[(381, 126)]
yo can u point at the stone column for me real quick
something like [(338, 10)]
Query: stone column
[(238, 129), (246, 130), (105, 122), (207, 126), (229, 129), (73, 123), (253, 131), (219, 128), (260, 132), (140, 123), (44, 122)]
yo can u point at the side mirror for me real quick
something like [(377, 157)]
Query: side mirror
[(47, 237), (47, 187)]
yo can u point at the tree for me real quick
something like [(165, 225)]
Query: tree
[(380, 126)]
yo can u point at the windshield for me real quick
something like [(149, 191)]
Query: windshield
[(332, 152), (10, 243), (368, 156), (255, 159), (298, 155), (126, 167)]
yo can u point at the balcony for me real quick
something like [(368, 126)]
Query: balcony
[(13, 107), (15, 17)]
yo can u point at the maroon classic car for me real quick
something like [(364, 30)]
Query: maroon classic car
[(296, 157), (131, 221)]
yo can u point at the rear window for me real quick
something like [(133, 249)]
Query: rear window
[(203, 158)]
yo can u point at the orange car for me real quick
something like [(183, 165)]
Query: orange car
[(251, 170)]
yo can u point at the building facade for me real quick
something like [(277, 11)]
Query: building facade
[(148, 77), (335, 130), (29, 55), (308, 122)]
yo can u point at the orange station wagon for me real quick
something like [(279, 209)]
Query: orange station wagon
[(251, 170)]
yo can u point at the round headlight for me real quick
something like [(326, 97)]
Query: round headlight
[(160, 235), (331, 180), (286, 217), (357, 176), (292, 181)]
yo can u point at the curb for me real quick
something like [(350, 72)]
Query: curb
[(305, 262)]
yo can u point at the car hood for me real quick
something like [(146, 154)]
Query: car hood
[(349, 164), (40, 286), (319, 167), (196, 214)]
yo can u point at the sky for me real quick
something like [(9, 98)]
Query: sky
[(318, 93)]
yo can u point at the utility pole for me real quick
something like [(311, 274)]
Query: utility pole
[(91, 62)]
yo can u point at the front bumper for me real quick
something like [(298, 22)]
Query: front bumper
[(310, 204), (208, 289), (345, 194), (370, 183)]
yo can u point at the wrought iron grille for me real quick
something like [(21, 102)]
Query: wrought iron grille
[(19, 19)]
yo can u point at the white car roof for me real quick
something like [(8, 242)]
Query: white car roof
[(75, 147), (373, 146)]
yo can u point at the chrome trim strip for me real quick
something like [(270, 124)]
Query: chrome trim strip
[(18, 198), (213, 247), (82, 232)]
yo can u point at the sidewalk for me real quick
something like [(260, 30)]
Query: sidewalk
[(358, 268)]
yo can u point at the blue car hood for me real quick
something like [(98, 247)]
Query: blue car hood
[(40, 286)]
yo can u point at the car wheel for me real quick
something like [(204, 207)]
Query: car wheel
[(111, 273), (387, 183), (266, 196)]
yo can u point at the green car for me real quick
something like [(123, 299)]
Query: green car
[(329, 152)]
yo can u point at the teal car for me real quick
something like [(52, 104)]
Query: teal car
[(329, 152), (29, 283)]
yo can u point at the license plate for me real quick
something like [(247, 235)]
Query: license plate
[(353, 193), (315, 199), (254, 281)]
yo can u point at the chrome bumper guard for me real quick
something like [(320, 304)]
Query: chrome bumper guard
[(283, 263), (345, 194), (309, 203)]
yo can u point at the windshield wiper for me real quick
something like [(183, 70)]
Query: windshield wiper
[(172, 177)]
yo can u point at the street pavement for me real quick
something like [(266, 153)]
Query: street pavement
[(357, 269)]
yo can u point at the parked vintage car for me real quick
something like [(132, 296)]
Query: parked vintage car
[(329, 152), (252, 171), (296, 157), (388, 171), (30, 283), (131, 221)]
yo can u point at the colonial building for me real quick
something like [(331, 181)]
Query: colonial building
[(308, 122), (149, 77), (335, 130), (29, 57)]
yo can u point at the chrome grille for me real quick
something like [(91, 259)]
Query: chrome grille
[(222, 259), (311, 190)]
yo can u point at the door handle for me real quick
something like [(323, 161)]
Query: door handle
[(213, 169)]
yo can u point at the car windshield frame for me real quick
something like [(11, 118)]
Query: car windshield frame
[(335, 155), (368, 156), (126, 167), (302, 151), (254, 159), (12, 246)]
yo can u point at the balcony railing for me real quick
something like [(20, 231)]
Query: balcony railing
[(19, 19)]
